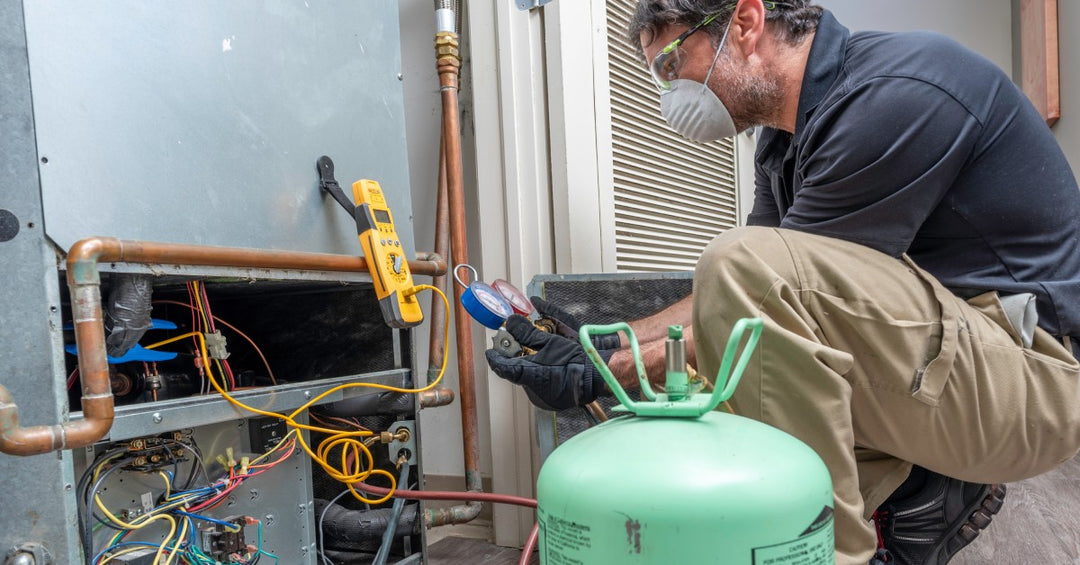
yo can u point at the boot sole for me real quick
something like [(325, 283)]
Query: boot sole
[(979, 515)]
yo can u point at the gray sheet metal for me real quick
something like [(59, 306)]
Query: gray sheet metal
[(37, 502), (200, 122), (140, 419)]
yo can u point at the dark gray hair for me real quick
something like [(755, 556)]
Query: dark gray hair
[(791, 19)]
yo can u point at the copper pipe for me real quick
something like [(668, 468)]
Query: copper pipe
[(84, 282), (437, 318), (449, 66)]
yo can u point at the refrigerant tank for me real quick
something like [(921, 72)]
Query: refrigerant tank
[(678, 483)]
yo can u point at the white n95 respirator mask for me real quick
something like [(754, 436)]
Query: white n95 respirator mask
[(695, 112)]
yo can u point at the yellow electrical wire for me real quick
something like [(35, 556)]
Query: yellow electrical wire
[(143, 524), (346, 439), (179, 539)]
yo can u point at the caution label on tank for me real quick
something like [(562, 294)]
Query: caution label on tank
[(564, 542), (815, 546)]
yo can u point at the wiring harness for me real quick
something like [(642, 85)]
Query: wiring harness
[(177, 510)]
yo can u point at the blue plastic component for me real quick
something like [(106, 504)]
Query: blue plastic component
[(137, 353), (485, 305)]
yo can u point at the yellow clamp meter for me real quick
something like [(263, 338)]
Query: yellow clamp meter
[(385, 256)]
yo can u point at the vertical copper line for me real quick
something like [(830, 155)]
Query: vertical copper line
[(449, 66), (437, 341)]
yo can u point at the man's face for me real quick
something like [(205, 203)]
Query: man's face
[(751, 93)]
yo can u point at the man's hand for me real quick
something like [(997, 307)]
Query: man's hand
[(558, 376), (567, 325)]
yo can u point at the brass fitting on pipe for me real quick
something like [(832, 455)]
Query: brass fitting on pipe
[(447, 52), (84, 282)]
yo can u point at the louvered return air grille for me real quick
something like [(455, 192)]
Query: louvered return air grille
[(672, 196)]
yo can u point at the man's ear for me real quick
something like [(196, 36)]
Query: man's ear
[(747, 26)]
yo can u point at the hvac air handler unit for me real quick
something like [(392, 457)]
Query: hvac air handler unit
[(678, 482)]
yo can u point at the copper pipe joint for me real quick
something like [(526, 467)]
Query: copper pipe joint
[(436, 397)]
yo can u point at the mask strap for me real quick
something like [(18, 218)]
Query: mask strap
[(717, 55)]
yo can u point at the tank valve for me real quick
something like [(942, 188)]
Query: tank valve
[(677, 385)]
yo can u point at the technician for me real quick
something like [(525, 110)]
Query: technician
[(914, 251)]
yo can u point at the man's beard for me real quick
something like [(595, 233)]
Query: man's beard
[(752, 99)]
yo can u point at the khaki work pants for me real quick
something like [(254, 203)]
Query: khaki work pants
[(876, 366)]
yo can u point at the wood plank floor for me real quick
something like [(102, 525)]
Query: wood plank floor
[(1039, 524), (468, 551)]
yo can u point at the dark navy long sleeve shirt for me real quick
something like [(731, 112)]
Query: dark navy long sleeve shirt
[(912, 143)]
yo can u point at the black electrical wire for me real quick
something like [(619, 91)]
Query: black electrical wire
[(85, 522), (88, 516), (391, 527)]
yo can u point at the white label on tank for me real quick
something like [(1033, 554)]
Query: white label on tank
[(816, 548)]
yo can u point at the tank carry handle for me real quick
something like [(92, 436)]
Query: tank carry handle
[(661, 405)]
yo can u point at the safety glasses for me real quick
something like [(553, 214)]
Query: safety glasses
[(669, 60), (665, 67)]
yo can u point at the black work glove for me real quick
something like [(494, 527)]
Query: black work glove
[(559, 375), (567, 325)]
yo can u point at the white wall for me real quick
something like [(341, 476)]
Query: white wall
[(982, 25), (1067, 129)]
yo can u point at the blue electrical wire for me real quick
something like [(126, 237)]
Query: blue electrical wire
[(231, 525), (391, 527)]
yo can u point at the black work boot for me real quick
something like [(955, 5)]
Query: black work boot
[(931, 517)]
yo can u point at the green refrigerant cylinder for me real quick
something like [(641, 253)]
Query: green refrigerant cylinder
[(678, 483)]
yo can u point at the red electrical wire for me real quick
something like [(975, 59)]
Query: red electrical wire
[(530, 544), (269, 371)]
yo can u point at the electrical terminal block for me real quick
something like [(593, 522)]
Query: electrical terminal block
[(156, 452), (216, 345)]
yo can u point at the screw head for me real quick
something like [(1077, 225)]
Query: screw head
[(158, 418)]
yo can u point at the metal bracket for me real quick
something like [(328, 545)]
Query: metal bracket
[(327, 182), (410, 445), (530, 4), (505, 344)]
